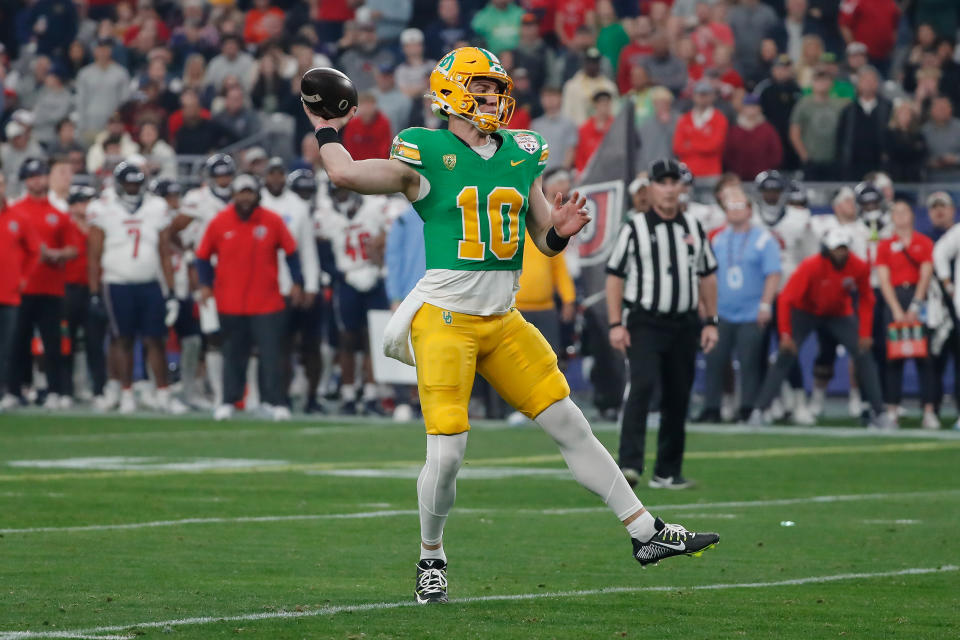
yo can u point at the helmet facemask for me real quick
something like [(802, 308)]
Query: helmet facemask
[(451, 93)]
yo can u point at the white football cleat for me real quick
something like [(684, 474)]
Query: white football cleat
[(66, 402), (128, 402), (280, 413), (9, 401), (930, 420), (223, 412), (52, 402), (403, 413)]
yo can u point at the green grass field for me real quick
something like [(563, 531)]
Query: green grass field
[(158, 528)]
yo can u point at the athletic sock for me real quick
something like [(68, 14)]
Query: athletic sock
[(437, 484), (215, 375), (642, 528), (433, 554)]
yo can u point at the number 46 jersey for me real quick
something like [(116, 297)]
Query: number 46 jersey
[(474, 212)]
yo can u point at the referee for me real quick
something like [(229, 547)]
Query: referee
[(660, 273)]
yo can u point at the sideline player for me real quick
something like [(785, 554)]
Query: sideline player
[(477, 186), (126, 255)]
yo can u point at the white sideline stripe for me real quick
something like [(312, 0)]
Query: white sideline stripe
[(379, 606), (548, 512)]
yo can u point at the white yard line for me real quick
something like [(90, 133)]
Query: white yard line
[(695, 506), (379, 606)]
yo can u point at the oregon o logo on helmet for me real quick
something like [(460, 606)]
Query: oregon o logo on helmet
[(343, 104)]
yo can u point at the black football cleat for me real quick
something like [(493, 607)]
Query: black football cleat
[(431, 581), (672, 540)]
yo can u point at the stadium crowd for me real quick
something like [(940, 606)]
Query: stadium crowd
[(111, 107)]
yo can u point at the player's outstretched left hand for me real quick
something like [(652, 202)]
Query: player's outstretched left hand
[(570, 216)]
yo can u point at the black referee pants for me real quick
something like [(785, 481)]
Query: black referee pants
[(665, 352)]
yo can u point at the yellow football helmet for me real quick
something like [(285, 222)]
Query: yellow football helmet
[(450, 88)]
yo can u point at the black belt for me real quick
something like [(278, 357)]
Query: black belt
[(657, 316)]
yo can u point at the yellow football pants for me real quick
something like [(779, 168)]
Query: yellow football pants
[(507, 350)]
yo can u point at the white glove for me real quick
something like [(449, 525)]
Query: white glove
[(173, 310)]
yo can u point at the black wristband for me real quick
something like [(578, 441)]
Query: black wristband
[(554, 241), (613, 325), (326, 134), (712, 321)]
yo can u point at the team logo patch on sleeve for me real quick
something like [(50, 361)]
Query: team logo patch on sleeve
[(527, 142), (405, 151), (544, 155)]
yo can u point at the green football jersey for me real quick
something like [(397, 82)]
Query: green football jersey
[(475, 213)]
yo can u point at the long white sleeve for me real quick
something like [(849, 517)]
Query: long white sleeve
[(309, 259), (945, 251)]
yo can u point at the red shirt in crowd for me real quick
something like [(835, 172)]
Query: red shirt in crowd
[(521, 119), (904, 260), (334, 11), (19, 248), (701, 147), (571, 14), (257, 27), (750, 151), (54, 230), (246, 277), (75, 271), (632, 55), (820, 288), (176, 121), (872, 22), (589, 138), (366, 140)]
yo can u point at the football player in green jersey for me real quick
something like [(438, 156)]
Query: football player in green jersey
[(477, 187)]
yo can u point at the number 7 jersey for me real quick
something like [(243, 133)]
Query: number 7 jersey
[(474, 212)]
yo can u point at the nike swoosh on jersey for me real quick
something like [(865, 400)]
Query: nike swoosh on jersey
[(514, 163)]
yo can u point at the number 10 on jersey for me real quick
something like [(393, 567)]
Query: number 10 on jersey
[(503, 208)]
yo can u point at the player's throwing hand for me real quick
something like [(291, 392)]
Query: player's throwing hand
[(337, 123)]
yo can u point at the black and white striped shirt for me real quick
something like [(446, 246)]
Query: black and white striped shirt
[(661, 262)]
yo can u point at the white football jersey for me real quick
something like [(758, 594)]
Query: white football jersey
[(295, 214), (201, 204), (710, 216), (130, 239), (793, 231), (349, 239), (857, 229)]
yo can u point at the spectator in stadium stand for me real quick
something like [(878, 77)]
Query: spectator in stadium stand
[(570, 59), (635, 52), (904, 268), (751, 21), (612, 36), (874, 23), (790, 34), (19, 250), (236, 118), (904, 145), (942, 133), (394, 103), (656, 132), (194, 79), (161, 160), (391, 17), (822, 21), (77, 300), (449, 28), (592, 132), (862, 123), (855, 59), (54, 103), (809, 60), (262, 22), (66, 138), (813, 128), (246, 238), (51, 25), (558, 130), (701, 134), (748, 275), (579, 90), (368, 134), (663, 67), (30, 82), (231, 61), (498, 23), (928, 88), (115, 129), (752, 143), (330, 16), (197, 133), (532, 52), (18, 147), (778, 95), (819, 296), (41, 306), (640, 93), (414, 71), (101, 88), (841, 87), (364, 55)]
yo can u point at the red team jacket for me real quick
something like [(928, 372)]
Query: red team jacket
[(246, 277), (701, 148), (55, 230), (19, 248), (819, 288)]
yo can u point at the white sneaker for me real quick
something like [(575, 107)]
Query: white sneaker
[(854, 404), (776, 410), (728, 407), (403, 413), (66, 402), (801, 414), (223, 412), (111, 395), (128, 402), (516, 419), (758, 418), (817, 399), (52, 402), (9, 402), (930, 420), (280, 414)]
